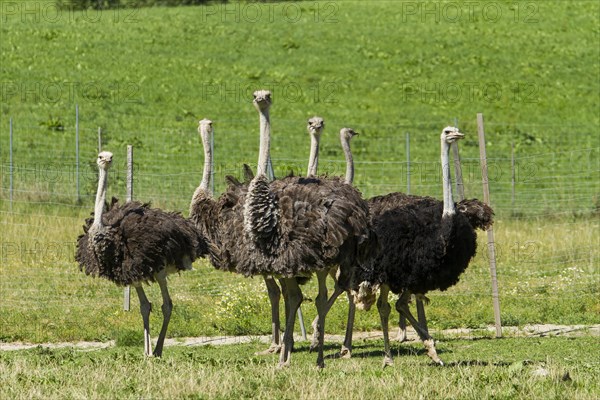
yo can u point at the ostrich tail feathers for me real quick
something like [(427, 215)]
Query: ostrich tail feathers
[(248, 174), (232, 181)]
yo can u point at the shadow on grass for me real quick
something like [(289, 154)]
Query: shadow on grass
[(479, 363)]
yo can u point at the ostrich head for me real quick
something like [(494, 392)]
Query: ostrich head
[(316, 125), (104, 160), (451, 134), (347, 134), (205, 125), (262, 100), (315, 128), (365, 295)]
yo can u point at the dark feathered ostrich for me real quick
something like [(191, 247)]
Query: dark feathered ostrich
[(213, 216), (315, 128), (286, 229), (425, 245), (346, 134), (133, 244), (294, 227), (478, 214)]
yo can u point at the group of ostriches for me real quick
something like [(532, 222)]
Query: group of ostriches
[(286, 230)]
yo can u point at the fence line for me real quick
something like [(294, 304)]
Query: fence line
[(42, 181)]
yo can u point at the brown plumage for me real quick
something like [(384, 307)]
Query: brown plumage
[(133, 244), (291, 228), (138, 241)]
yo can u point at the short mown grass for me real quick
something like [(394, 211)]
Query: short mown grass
[(515, 368)]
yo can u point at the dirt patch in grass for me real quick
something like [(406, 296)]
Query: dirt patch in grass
[(461, 333)]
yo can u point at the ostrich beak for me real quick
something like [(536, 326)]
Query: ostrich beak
[(262, 96), (455, 135)]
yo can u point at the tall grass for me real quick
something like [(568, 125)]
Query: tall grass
[(547, 271)]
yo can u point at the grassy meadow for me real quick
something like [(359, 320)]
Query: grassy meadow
[(385, 68), (548, 368)]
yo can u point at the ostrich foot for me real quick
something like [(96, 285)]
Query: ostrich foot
[(314, 344), (273, 349), (283, 364), (430, 346), (387, 361), (401, 337), (320, 365), (345, 352)]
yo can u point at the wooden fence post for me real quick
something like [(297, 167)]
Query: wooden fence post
[(10, 163), (490, 231)]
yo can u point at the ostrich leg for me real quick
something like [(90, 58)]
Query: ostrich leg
[(345, 352), (167, 307), (274, 298), (421, 311), (401, 336), (402, 307), (145, 309), (383, 306), (315, 324), (322, 308), (293, 297), (420, 300)]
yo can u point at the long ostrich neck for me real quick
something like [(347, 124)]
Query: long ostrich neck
[(208, 160), (447, 180), (349, 160), (265, 143), (100, 197), (313, 161)]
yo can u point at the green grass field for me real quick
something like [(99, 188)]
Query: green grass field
[(384, 68), (548, 368)]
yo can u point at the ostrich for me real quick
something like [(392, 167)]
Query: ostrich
[(205, 211), (478, 214), (315, 128), (425, 245), (132, 244), (346, 134), (294, 227), (287, 229)]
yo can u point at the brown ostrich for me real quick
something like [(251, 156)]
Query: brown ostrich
[(133, 244)]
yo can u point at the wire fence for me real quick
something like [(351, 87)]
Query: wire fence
[(547, 204)]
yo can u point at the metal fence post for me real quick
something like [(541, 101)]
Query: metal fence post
[(127, 290), (77, 151)]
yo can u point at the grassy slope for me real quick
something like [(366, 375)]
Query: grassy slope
[(151, 74)]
